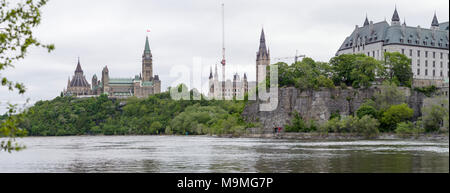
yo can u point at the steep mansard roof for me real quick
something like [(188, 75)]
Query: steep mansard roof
[(443, 26), (79, 80), (398, 34)]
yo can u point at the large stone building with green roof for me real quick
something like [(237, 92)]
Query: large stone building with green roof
[(141, 85), (428, 48)]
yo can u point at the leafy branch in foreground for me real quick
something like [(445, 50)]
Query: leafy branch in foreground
[(16, 22), (9, 128)]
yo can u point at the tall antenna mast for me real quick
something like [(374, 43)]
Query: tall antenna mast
[(223, 42)]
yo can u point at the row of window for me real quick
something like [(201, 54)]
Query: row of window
[(434, 73), (426, 54), (424, 42), (434, 64)]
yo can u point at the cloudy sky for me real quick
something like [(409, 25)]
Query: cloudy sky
[(112, 32)]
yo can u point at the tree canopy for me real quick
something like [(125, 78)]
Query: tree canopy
[(17, 20)]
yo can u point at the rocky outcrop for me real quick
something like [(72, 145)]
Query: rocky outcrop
[(319, 105)]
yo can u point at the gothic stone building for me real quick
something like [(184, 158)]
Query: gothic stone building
[(140, 86), (78, 85), (239, 87), (427, 48)]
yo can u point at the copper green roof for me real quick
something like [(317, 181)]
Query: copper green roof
[(147, 83), (147, 46), (121, 81), (122, 94)]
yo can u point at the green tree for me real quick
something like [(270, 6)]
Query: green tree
[(435, 115), (366, 109), (366, 126), (394, 115), (355, 70), (297, 125), (399, 66), (408, 128), (16, 22), (389, 95)]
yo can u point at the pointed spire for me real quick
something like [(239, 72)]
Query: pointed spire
[(262, 46), (366, 22), (78, 70), (263, 36), (395, 17), (435, 22), (210, 73), (404, 21), (147, 46)]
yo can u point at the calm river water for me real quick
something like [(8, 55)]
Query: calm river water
[(210, 154)]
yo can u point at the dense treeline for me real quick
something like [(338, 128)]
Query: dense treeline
[(154, 115), (159, 114), (347, 70)]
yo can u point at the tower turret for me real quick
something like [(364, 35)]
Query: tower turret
[(366, 22), (147, 63), (262, 58), (435, 22), (105, 76), (395, 18)]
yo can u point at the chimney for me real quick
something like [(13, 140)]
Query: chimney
[(418, 30), (404, 29), (371, 28)]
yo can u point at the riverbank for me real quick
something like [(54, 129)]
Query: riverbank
[(308, 136), (345, 136)]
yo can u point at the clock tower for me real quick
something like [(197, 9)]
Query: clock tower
[(147, 63)]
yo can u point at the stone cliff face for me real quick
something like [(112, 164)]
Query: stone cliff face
[(318, 105)]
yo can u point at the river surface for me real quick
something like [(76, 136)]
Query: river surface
[(209, 154)]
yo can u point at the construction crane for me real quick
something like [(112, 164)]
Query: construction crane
[(223, 62), (296, 57)]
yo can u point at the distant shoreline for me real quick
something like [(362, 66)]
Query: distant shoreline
[(349, 136), (302, 136)]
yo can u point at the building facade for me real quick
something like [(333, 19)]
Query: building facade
[(78, 85), (140, 86), (239, 87), (227, 89), (428, 48)]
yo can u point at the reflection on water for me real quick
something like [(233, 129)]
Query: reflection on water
[(209, 154)]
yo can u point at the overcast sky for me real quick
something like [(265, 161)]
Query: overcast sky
[(112, 32)]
